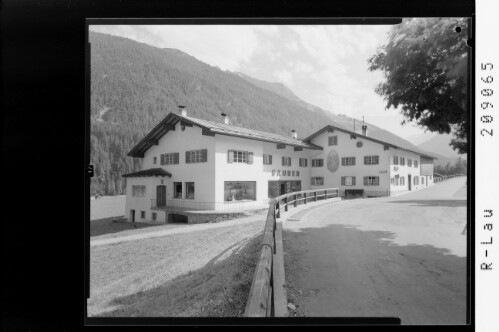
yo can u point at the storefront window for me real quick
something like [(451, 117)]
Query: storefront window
[(239, 190), (189, 190), (177, 189)]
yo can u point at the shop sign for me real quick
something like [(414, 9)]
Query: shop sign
[(285, 172)]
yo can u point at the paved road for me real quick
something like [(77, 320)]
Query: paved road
[(401, 256)]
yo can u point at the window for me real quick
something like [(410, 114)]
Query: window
[(281, 146), (239, 190), (409, 162), (154, 216), (348, 161), (402, 181), (267, 159), (317, 181), (244, 157), (317, 162), (371, 180), (138, 191), (286, 161), (169, 158), (154, 160), (189, 190), (303, 162), (415, 163), (348, 180), (402, 161), (143, 214), (416, 180), (395, 160), (397, 180), (333, 140), (392, 181), (177, 189), (371, 160), (196, 156)]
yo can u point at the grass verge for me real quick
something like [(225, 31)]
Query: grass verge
[(200, 274)]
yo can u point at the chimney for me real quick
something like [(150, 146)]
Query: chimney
[(364, 130), (226, 118), (181, 110), (294, 134)]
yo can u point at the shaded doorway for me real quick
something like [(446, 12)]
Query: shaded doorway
[(161, 196)]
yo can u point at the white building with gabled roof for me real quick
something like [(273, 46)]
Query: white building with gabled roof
[(192, 164)]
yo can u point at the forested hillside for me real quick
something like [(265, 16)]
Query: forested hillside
[(134, 86)]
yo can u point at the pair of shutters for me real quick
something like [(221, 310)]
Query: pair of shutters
[(371, 160), (375, 182), (175, 158), (189, 156), (286, 161), (344, 180), (231, 156), (344, 161)]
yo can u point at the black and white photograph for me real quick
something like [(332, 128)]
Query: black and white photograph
[(280, 170)]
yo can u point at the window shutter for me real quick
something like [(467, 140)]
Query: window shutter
[(283, 161), (353, 163), (270, 159), (176, 157), (342, 180), (365, 180), (162, 159), (312, 181), (187, 161), (250, 157), (204, 155), (366, 160), (353, 180), (230, 156)]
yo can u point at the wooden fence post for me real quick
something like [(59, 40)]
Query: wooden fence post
[(315, 196), (295, 200), (286, 206)]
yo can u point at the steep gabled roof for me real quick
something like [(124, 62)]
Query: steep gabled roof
[(211, 128), (399, 144), (148, 172)]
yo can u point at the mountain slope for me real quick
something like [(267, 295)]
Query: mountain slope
[(134, 86), (440, 144)]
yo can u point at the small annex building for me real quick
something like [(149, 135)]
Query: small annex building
[(200, 165)]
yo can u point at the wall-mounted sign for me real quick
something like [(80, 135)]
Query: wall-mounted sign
[(383, 172), (285, 172)]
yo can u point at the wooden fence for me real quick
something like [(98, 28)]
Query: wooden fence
[(446, 177), (267, 296)]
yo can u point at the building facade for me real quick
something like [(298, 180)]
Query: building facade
[(193, 164)]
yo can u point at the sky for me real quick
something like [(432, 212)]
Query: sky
[(323, 65)]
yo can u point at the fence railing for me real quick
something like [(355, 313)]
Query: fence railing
[(267, 297), (445, 177), (185, 205)]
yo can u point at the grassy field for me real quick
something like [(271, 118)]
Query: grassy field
[(199, 274), (107, 206), (113, 225)]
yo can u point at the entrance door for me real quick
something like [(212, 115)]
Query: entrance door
[(160, 195), (409, 181), (283, 188), (132, 215)]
